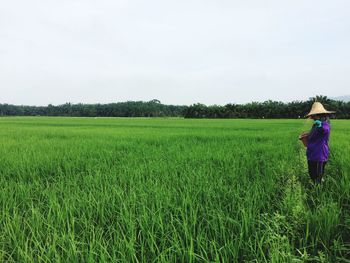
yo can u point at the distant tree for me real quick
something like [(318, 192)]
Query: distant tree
[(154, 108)]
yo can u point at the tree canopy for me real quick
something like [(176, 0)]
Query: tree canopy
[(267, 109), (154, 108)]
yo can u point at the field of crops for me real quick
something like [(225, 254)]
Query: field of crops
[(169, 190)]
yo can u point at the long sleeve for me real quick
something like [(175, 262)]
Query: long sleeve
[(317, 148)]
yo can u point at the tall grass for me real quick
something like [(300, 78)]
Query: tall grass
[(168, 190)]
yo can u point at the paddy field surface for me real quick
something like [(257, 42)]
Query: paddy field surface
[(169, 190)]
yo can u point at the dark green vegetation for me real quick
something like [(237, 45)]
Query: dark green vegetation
[(171, 190), (268, 109), (151, 108)]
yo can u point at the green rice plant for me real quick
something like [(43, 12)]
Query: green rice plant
[(169, 190)]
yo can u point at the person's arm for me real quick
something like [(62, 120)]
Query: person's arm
[(321, 126), (318, 123)]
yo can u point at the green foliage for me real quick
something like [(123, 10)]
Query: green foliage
[(151, 108), (263, 110), (169, 190), (267, 110)]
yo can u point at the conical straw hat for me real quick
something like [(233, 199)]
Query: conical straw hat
[(317, 108)]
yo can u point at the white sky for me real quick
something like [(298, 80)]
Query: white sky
[(180, 52)]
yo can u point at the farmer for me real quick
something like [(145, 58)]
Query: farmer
[(317, 144)]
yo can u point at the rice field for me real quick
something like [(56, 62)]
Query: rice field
[(169, 190)]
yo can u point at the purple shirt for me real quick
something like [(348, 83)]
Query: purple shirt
[(317, 146)]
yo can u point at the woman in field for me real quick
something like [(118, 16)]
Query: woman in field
[(317, 146)]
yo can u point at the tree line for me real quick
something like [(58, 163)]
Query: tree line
[(154, 108), (268, 109), (151, 108)]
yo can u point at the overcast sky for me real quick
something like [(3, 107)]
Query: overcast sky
[(180, 52)]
